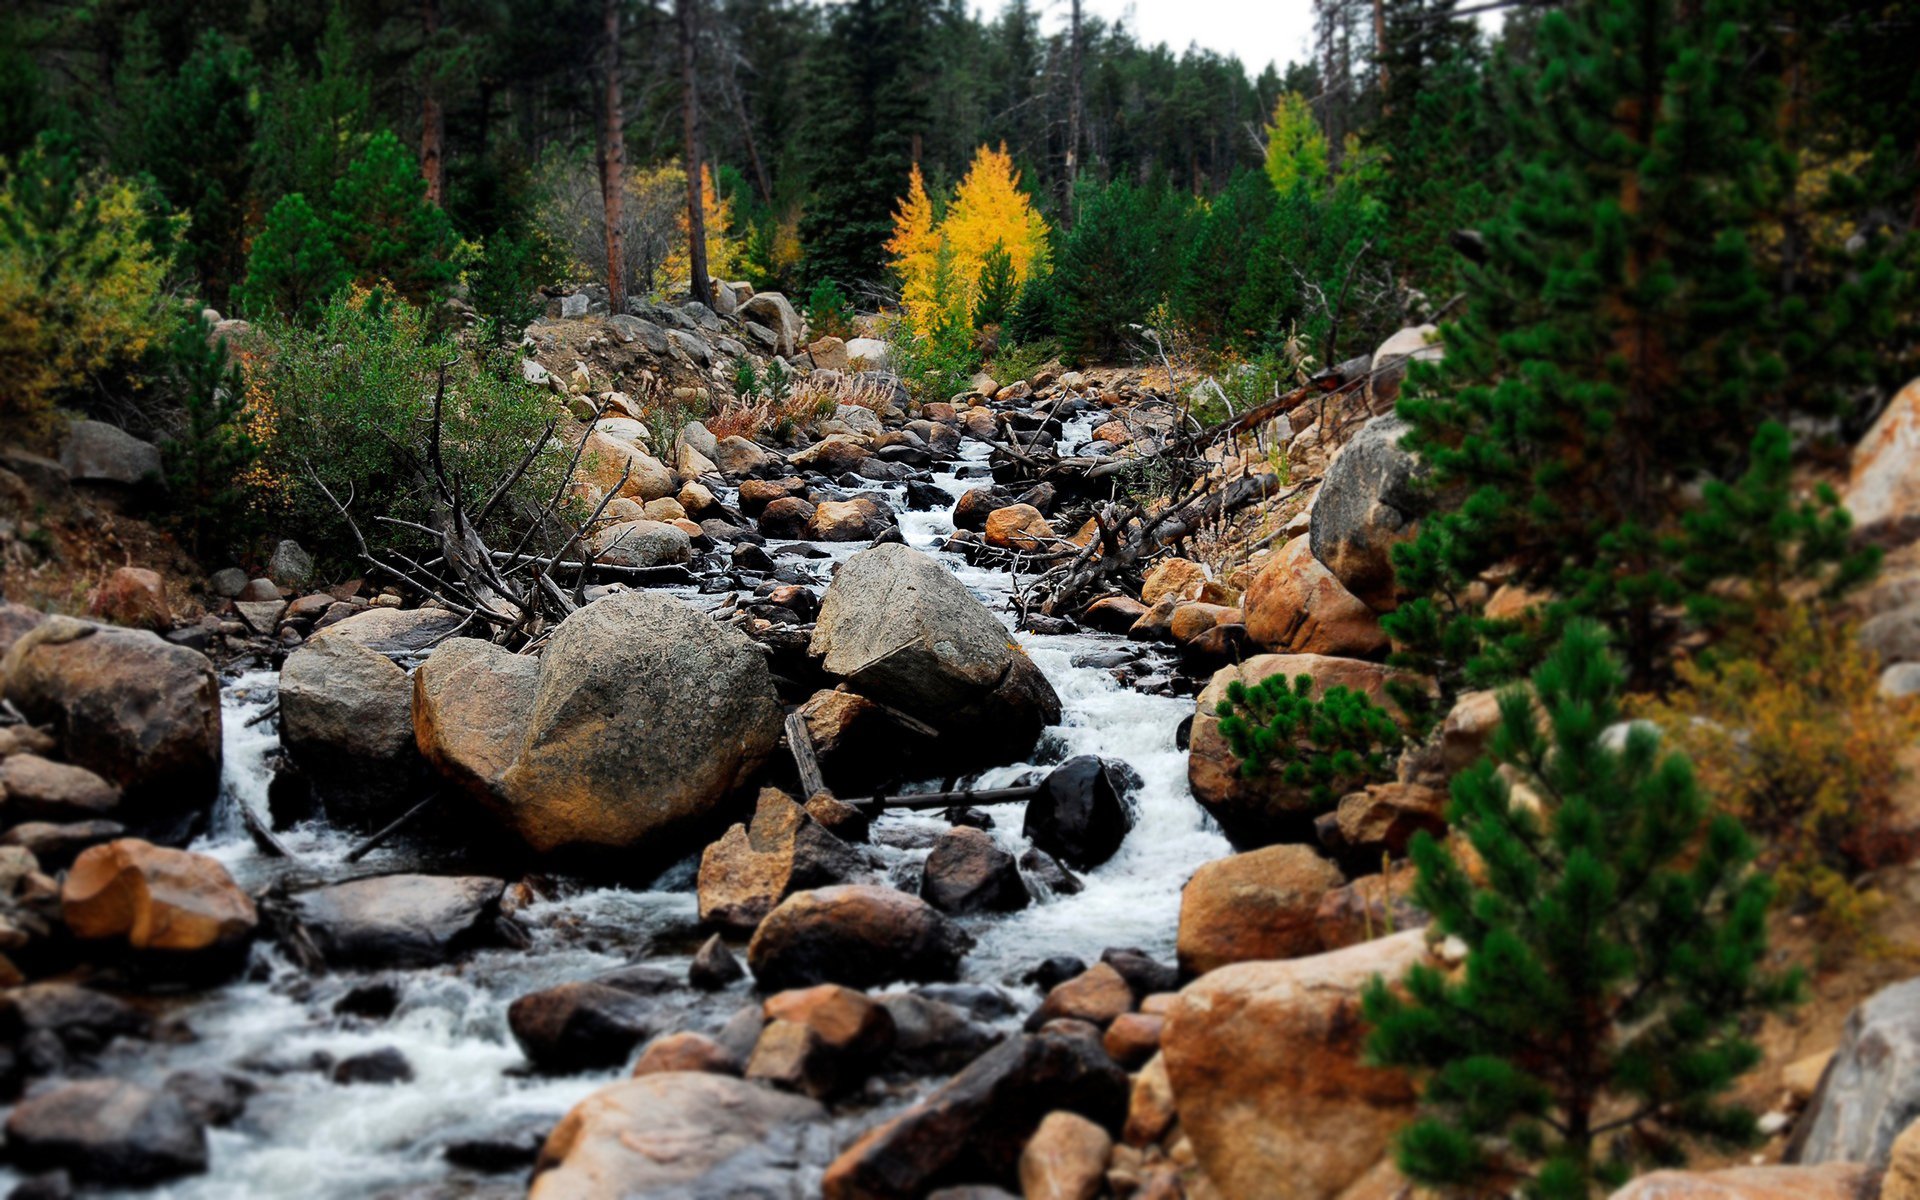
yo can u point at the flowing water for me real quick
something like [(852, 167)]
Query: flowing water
[(306, 1138)]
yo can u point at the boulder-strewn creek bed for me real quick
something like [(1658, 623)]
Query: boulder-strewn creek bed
[(376, 1053)]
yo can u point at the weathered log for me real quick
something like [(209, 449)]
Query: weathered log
[(805, 761), (392, 827)]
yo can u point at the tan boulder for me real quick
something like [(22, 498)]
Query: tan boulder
[(830, 353), (751, 868), (1268, 1078), (1883, 490), (1369, 907), (1150, 1111), (855, 520), (686, 1051), (1264, 809), (132, 596), (1296, 606), (471, 700), (606, 458), (1254, 906), (835, 454), (157, 901), (1179, 577), (1018, 527), (1384, 817), (1829, 1181), (1114, 433), (1097, 996), (1133, 1038), (1193, 619), (1066, 1159)]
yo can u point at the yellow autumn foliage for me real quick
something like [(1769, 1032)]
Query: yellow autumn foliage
[(989, 209), (723, 252)]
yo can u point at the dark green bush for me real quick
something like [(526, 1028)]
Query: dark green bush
[(1327, 747)]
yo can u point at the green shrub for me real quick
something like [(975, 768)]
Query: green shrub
[(212, 455), (294, 267), (503, 287), (999, 289), (828, 311), (1328, 747)]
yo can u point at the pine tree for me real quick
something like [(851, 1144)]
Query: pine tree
[(312, 128), (1115, 265), (503, 287), (1297, 152), (1619, 342), (999, 289), (1612, 952), (294, 267), (1221, 296), (384, 227), (214, 450)]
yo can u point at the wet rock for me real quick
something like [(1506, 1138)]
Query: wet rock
[(511, 1148), (714, 967), (1066, 1159), (643, 543), (1018, 527), (860, 935), (974, 1127), (1145, 974), (1871, 1090), (1295, 605), (210, 1097), (123, 703), (1096, 996), (37, 789), (754, 867), (1264, 1059), (933, 1037), (55, 1024), (399, 920), (1055, 971), (346, 716), (107, 1130), (686, 1051), (674, 1134), (698, 715), (377, 1000), (787, 518), (1254, 906), (134, 597), (855, 520), (897, 626), (1265, 809), (976, 504), (968, 872), (172, 909), (471, 703), (859, 744), (384, 1066), (56, 845), (1039, 867), (579, 1026), (821, 1041), (1114, 614), (1081, 814), (1369, 502)]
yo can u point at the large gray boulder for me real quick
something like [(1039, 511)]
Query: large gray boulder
[(900, 629), (346, 716), (101, 453), (396, 632), (1871, 1089), (471, 700), (771, 310), (647, 716), (1370, 501), (107, 1131), (137, 711), (642, 544), (399, 920)]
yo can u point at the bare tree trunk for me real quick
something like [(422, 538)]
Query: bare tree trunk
[(1073, 113), (433, 119), (613, 156), (690, 107), (1380, 42)]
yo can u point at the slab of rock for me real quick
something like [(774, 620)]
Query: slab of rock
[(933, 1037), (167, 906), (1870, 1092), (624, 469), (643, 543), (137, 711), (1295, 605), (471, 701), (1263, 810), (738, 458), (1833, 1181), (107, 1131), (396, 632), (772, 311), (580, 1026), (897, 626), (1097, 996), (975, 1126), (1254, 906), (674, 1134), (754, 867), (399, 920), (346, 717), (38, 789), (968, 872), (835, 454), (860, 935), (96, 452), (1883, 491), (1369, 502), (1265, 1064), (646, 717)]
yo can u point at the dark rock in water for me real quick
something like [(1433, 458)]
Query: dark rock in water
[(985, 1003), (579, 1026), (211, 1097), (925, 497), (52, 1024), (933, 1038), (742, 1031), (891, 536), (54, 1185), (107, 1131), (1080, 815), (55, 846), (1053, 972), (860, 935), (969, 873), (968, 818), (974, 1127), (1045, 869), (1104, 659), (1037, 623), (376, 1000), (385, 1065), (714, 967), (1143, 973), (749, 557), (513, 1147), (400, 920)]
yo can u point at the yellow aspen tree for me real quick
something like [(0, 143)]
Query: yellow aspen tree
[(989, 209), (717, 215), (914, 252)]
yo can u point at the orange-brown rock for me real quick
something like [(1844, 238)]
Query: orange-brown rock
[(607, 458), (751, 868), (1191, 620), (1510, 602), (1264, 809), (1156, 624), (1150, 1111), (1178, 577), (1114, 433), (1095, 996), (132, 596), (844, 1020), (1018, 527), (156, 901), (1369, 907), (686, 1051), (1066, 1159), (860, 935), (471, 700), (1268, 1078), (1828, 1181), (1114, 614), (1133, 1038), (1254, 906), (1296, 606), (1384, 817), (855, 520)]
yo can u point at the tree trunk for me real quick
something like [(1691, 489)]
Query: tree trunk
[(433, 119), (613, 156), (702, 286), (1073, 113)]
